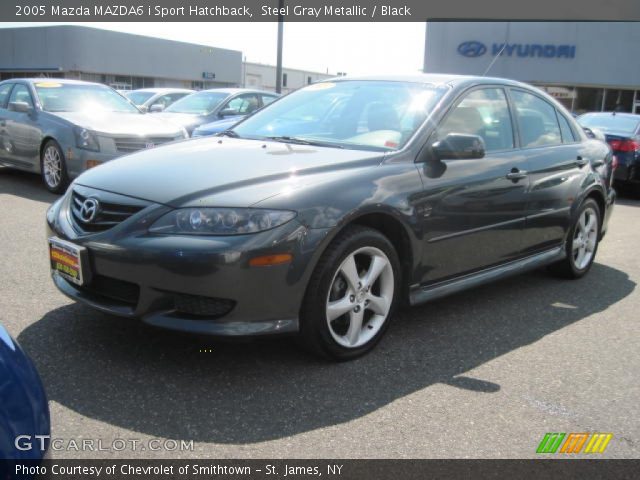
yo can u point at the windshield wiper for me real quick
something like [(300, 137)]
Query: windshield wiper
[(303, 141), (229, 133)]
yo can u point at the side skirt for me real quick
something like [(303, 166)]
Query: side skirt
[(421, 294)]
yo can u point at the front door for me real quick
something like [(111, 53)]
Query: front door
[(472, 211)]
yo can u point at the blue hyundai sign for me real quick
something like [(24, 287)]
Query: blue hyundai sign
[(474, 48)]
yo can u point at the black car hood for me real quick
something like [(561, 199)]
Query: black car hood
[(201, 171)]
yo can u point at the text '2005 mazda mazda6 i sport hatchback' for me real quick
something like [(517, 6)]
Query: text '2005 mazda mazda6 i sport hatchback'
[(324, 211)]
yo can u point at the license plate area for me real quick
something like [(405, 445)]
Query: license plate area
[(68, 260)]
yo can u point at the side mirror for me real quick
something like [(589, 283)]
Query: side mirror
[(22, 107), (156, 107), (228, 112), (459, 146)]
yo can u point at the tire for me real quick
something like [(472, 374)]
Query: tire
[(53, 167), (343, 316), (581, 247)]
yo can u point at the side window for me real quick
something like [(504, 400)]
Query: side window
[(267, 99), (21, 94), (485, 113), (4, 94), (565, 129), (244, 104), (537, 120)]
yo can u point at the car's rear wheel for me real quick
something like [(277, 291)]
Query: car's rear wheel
[(351, 295), (54, 167), (582, 243)]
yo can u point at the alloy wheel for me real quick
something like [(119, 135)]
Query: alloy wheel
[(52, 167), (360, 297), (585, 238)]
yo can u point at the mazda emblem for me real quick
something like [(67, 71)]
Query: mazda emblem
[(89, 210), (472, 49)]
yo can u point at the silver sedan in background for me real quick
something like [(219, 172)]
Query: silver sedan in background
[(156, 99), (60, 128)]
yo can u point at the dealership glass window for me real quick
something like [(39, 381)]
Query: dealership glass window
[(588, 100), (284, 79), (565, 129), (537, 120), (4, 94), (485, 113), (618, 100), (21, 93)]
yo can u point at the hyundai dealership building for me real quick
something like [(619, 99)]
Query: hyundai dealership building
[(588, 66)]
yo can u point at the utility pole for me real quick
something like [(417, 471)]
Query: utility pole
[(279, 61)]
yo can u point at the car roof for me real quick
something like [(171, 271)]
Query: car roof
[(435, 79), (614, 114), (55, 80), (233, 91), (161, 90)]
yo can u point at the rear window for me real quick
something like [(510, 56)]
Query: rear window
[(610, 123)]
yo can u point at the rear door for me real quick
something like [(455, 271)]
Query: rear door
[(472, 211), (556, 162)]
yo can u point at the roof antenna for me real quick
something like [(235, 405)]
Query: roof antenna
[(506, 40)]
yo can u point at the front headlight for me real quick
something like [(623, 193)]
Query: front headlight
[(86, 139), (220, 221)]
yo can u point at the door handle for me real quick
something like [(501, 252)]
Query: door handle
[(581, 162), (516, 174)]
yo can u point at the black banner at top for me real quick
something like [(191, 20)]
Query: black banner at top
[(314, 10)]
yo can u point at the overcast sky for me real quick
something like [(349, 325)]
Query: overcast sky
[(355, 48)]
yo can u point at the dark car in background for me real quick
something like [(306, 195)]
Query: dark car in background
[(156, 99), (622, 132), (219, 104), (60, 128), (24, 412), (322, 212), (230, 120)]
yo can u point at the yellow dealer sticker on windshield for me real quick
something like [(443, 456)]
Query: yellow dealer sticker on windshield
[(320, 86), (48, 85)]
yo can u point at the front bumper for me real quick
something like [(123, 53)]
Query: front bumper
[(191, 283)]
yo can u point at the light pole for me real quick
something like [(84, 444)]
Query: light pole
[(279, 60)]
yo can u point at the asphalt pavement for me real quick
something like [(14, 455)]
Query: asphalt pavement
[(481, 374)]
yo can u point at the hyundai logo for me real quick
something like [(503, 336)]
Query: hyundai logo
[(472, 49), (89, 210)]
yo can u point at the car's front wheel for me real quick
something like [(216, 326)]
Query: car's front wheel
[(582, 242), (351, 295), (53, 167)]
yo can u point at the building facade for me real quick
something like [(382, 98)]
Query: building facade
[(263, 77), (121, 60), (588, 66)]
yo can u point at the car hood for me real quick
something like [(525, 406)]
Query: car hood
[(199, 172), (220, 125), (115, 123)]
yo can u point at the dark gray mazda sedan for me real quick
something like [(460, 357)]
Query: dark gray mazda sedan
[(324, 211)]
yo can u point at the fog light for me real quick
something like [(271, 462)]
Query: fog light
[(268, 260), (92, 163)]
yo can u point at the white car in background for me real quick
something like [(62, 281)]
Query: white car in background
[(156, 99)]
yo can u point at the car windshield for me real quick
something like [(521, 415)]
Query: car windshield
[(77, 97), (610, 123), (138, 98), (372, 115), (201, 103)]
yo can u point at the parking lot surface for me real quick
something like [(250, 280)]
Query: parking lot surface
[(484, 373)]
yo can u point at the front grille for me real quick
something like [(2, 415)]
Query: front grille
[(113, 289), (133, 144), (108, 215), (202, 306)]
